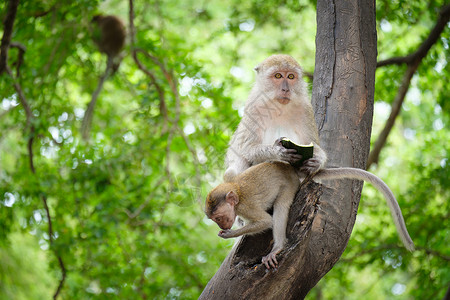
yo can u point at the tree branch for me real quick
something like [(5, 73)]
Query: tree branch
[(395, 111), (413, 61), (31, 128), (447, 294), (19, 61), (134, 51), (22, 99), (8, 25), (421, 52), (6, 43), (398, 60)]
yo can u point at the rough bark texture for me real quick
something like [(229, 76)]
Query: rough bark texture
[(322, 216)]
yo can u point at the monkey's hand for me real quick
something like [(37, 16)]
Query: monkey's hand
[(270, 260), (311, 166), (226, 234), (288, 155)]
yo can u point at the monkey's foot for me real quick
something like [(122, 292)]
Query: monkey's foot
[(270, 260)]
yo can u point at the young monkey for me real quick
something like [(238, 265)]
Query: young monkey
[(274, 184)]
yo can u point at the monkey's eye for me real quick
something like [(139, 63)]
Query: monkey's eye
[(278, 75), (219, 219), (291, 76)]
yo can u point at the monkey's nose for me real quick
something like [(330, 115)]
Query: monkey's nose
[(285, 86)]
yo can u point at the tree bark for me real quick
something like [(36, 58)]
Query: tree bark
[(321, 218)]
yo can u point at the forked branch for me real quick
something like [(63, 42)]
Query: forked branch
[(412, 61)]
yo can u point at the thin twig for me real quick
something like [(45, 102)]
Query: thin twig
[(159, 90), (30, 127), (5, 45), (136, 213), (19, 61), (134, 51), (22, 99), (170, 79)]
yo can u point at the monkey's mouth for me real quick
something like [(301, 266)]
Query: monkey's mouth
[(284, 100), (226, 227)]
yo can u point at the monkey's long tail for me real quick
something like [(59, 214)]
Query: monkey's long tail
[(354, 173), (87, 119)]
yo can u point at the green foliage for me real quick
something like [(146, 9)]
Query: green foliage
[(126, 207), (24, 271)]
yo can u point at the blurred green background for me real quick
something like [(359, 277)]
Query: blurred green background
[(127, 206)]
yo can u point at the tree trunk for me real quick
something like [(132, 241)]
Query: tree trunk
[(321, 218)]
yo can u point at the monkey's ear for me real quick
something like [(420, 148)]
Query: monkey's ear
[(232, 198), (257, 68)]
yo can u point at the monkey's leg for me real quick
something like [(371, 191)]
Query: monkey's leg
[(280, 218)]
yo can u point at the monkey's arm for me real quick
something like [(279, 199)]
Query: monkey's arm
[(253, 154), (262, 153), (354, 173)]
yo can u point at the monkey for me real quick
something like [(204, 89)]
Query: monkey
[(278, 105), (250, 195), (274, 184), (109, 34)]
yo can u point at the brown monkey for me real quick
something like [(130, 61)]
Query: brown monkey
[(274, 184), (109, 35), (250, 195), (278, 106)]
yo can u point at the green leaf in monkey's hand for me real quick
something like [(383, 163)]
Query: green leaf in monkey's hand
[(306, 151)]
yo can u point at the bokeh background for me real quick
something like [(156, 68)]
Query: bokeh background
[(126, 206)]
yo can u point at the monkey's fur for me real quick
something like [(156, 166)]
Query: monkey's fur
[(278, 106), (109, 35), (252, 193)]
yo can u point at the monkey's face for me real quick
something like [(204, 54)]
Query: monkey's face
[(280, 84), (284, 83), (224, 215)]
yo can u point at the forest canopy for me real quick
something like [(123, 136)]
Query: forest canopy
[(119, 214)]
